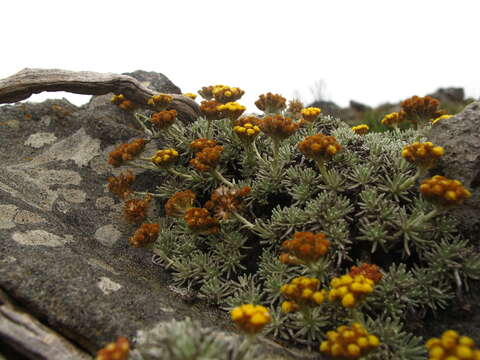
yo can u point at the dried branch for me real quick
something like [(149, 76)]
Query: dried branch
[(26, 82)]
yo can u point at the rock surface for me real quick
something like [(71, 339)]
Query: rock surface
[(64, 254)]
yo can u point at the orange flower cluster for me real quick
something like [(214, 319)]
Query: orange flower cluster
[(421, 108), (179, 203), (209, 108), (452, 346), (225, 201), (231, 110), (165, 158), (349, 342), (207, 159), (163, 119), (304, 248), (135, 210), (302, 291), (206, 92), (126, 152), (370, 271), (319, 146), (295, 108), (247, 128), (278, 127), (122, 184), (424, 155), (361, 129), (310, 114), (444, 192), (199, 220), (249, 318), (271, 103), (225, 94), (122, 102), (118, 350), (394, 118), (202, 143), (350, 290), (160, 101), (144, 235)]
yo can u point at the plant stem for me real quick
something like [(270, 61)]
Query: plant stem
[(142, 166), (254, 146), (323, 170), (139, 118), (208, 128), (276, 155), (177, 173), (243, 220), (220, 177)]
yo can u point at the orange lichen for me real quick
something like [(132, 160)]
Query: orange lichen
[(121, 185), (200, 220), (249, 318), (135, 210), (319, 146), (126, 152), (271, 103), (207, 159), (163, 119), (305, 247), (144, 235), (179, 203), (278, 127), (224, 201), (302, 291), (423, 155), (370, 271), (118, 350), (444, 192)]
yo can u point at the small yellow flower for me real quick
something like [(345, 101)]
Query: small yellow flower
[(190, 95), (361, 129), (122, 102), (319, 146), (165, 158), (442, 117), (444, 192), (247, 128), (225, 94), (394, 118), (310, 114), (249, 318), (452, 346), (300, 292), (350, 290), (160, 101), (231, 110), (423, 155)]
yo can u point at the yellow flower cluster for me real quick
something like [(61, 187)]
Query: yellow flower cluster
[(165, 158), (247, 128), (231, 110), (393, 119), (319, 146), (423, 155), (271, 103), (361, 129), (442, 117), (160, 101), (302, 291), (350, 342), (444, 192), (249, 318), (122, 102), (452, 346), (190, 95), (118, 350), (225, 94), (310, 114), (350, 290)]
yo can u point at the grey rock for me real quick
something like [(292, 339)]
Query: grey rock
[(449, 95), (460, 137)]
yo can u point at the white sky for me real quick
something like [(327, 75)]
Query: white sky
[(369, 51)]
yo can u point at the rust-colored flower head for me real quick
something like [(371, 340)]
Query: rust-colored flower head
[(226, 94), (165, 158), (202, 143), (295, 108), (135, 210), (200, 221), (451, 345), (122, 184), (190, 95), (249, 318), (163, 119), (144, 235), (421, 109), (179, 203), (302, 291), (209, 108), (206, 92), (423, 155), (370, 271), (271, 103), (126, 152), (444, 192), (350, 290), (442, 117), (349, 342), (393, 119), (278, 127), (207, 159), (310, 114), (361, 129), (231, 110), (247, 128), (225, 201), (305, 247), (118, 350), (160, 101), (319, 146), (123, 103)]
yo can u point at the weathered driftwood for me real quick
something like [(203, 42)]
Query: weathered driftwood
[(31, 338), (26, 82)]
